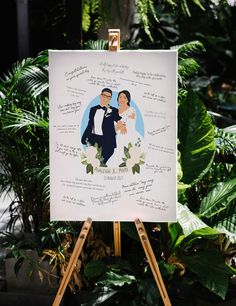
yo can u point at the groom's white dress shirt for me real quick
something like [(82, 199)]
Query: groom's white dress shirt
[(98, 119)]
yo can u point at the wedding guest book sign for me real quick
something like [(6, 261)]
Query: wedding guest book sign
[(113, 135)]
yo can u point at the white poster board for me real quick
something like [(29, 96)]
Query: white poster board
[(113, 135)]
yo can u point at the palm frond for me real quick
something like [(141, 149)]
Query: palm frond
[(86, 20), (100, 44), (42, 175), (199, 4), (33, 81), (185, 7), (226, 221), (144, 8), (23, 119), (26, 77), (186, 68), (91, 7), (191, 47), (230, 129), (226, 139), (42, 58), (172, 3)]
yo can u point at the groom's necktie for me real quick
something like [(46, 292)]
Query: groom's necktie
[(101, 107)]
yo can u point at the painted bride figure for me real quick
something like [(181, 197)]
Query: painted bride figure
[(130, 134)]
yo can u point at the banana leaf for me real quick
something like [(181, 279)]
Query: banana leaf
[(212, 272), (196, 135), (191, 223), (218, 198)]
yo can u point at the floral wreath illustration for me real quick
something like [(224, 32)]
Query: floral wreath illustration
[(133, 157)]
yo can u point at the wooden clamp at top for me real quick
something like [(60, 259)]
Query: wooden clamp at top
[(114, 39)]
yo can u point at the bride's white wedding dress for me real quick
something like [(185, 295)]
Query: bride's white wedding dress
[(122, 140)]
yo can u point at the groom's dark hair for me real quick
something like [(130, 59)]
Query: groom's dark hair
[(107, 90)]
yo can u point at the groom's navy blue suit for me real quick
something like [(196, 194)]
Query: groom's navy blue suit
[(106, 141)]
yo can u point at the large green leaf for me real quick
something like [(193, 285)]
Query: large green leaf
[(218, 199), (176, 234), (112, 278), (148, 290), (94, 268), (98, 296), (196, 135), (130, 230), (180, 185), (190, 223), (226, 222), (212, 272)]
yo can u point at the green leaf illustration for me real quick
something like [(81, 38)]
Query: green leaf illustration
[(89, 168), (136, 168), (126, 151)]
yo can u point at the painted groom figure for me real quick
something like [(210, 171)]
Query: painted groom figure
[(101, 128)]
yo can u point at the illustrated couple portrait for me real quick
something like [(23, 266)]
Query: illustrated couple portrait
[(112, 128)]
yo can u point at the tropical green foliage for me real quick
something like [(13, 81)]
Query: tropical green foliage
[(196, 135), (206, 211), (92, 8), (196, 253), (24, 141)]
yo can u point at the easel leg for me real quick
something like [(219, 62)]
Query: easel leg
[(72, 262), (114, 45), (117, 239), (152, 262)]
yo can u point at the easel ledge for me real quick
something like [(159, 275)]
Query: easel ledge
[(114, 45)]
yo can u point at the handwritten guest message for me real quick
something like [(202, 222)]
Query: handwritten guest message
[(69, 108), (148, 75), (66, 128), (67, 150), (138, 187), (152, 96), (157, 168), (164, 149), (76, 73), (81, 184), (159, 130), (134, 82), (151, 203), (112, 68), (67, 199), (103, 82), (154, 114), (75, 92), (108, 198), (113, 135)]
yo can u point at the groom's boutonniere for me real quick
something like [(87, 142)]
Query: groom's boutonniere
[(108, 111)]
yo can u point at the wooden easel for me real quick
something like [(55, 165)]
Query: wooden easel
[(114, 45)]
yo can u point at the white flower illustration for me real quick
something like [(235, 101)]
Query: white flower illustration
[(91, 153), (129, 164), (135, 153), (95, 162), (134, 157), (91, 158)]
